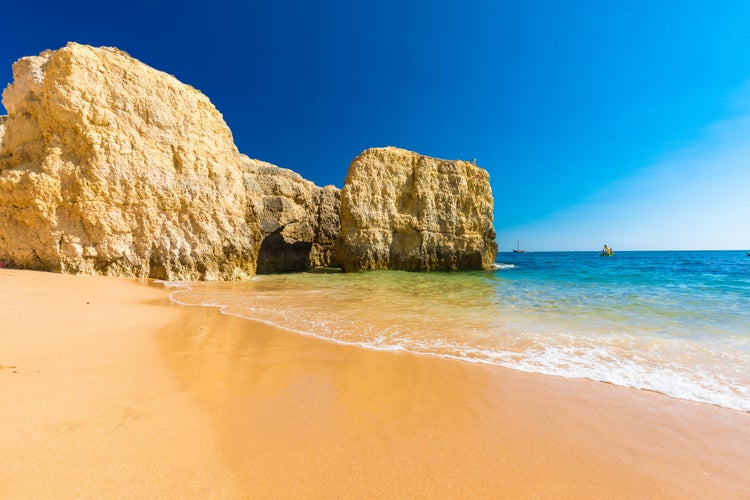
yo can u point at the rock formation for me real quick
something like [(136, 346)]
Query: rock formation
[(3, 120), (323, 252), (108, 166), (402, 210), (299, 221)]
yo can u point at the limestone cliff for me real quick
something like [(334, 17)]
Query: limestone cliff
[(403, 210), (108, 166), (299, 220)]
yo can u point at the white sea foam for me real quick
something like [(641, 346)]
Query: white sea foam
[(470, 325), (171, 284), (600, 365)]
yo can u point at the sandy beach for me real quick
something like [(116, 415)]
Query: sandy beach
[(108, 390)]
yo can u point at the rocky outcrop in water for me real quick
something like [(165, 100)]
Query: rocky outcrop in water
[(108, 166), (403, 210), (299, 221)]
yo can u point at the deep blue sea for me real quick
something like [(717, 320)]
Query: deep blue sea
[(673, 322)]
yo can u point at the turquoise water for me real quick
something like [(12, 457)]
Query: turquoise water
[(672, 322)]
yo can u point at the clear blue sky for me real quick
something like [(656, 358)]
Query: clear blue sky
[(624, 123)]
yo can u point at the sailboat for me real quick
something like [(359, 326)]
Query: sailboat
[(518, 248)]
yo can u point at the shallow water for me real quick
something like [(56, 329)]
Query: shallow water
[(672, 322)]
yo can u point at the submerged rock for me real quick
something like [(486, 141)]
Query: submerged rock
[(403, 210), (108, 166), (299, 221)]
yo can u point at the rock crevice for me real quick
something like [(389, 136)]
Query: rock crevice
[(299, 221)]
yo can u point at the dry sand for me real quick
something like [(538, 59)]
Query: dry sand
[(107, 390)]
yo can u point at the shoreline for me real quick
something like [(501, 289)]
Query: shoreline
[(361, 345), (129, 394)]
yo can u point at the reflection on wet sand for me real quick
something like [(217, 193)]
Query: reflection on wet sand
[(296, 415), (308, 413)]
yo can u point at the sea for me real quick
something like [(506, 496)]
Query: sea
[(673, 322)]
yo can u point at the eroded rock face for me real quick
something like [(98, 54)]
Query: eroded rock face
[(329, 225), (403, 210), (299, 221), (3, 120), (108, 166)]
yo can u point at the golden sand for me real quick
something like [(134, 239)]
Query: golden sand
[(107, 390)]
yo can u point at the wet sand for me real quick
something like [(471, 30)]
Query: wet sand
[(127, 395)]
